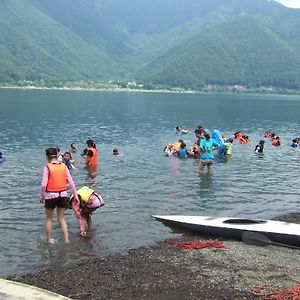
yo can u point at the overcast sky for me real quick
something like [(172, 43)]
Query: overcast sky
[(290, 3)]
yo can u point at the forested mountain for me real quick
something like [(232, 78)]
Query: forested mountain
[(242, 52), (150, 40)]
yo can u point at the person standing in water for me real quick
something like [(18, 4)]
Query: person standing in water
[(54, 193), (207, 145), (259, 148), (91, 157)]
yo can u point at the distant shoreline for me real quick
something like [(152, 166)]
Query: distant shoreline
[(174, 91)]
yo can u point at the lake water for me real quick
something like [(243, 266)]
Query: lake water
[(142, 181)]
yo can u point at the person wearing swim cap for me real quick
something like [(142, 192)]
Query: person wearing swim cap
[(207, 146)]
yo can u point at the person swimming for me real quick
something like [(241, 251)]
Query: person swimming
[(74, 148), (116, 152), (183, 152), (2, 158)]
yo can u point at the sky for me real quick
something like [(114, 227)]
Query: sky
[(290, 3)]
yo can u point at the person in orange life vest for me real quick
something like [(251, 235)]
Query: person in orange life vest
[(54, 193), (91, 157)]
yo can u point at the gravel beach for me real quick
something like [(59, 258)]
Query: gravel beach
[(164, 271)]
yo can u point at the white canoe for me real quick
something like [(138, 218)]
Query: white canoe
[(16, 290), (233, 228)]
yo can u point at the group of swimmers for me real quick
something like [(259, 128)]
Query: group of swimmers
[(203, 148), (54, 186), (275, 138), (206, 143)]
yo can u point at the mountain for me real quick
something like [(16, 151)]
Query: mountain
[(34, 46), (71, 40), (242, 52)]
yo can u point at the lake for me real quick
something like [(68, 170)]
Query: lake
[(142, 181)]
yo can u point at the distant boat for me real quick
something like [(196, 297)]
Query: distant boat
[(233, 228)]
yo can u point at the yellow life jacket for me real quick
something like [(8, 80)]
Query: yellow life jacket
[(229, 149), (85, 193)]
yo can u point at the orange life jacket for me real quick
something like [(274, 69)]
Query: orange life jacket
[(239, 135), (57, 181), (244, 141), (92, 161)]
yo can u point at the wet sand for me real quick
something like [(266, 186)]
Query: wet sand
[(164, 271)]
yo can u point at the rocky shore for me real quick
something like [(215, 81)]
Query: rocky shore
[(166, 272)]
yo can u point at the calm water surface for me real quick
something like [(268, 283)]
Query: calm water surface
[(142, 181)]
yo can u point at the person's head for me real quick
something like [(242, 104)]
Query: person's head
[(230, 140), (74, 147), (178, 128), (115, 152), (67, 156), (182, 145), (261, 142), (51, 153), (91, 144), (1, 154), (198, 133), (207, 134)]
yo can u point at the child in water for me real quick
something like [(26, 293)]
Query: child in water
[(67, 160), (182, 152), (89, 202), (259, 148), (74, 148), (54, 193)]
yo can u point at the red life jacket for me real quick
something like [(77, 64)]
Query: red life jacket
[(57, 181)]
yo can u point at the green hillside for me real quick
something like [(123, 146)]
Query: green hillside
[(37, 47), (243, 52), (99, 40)]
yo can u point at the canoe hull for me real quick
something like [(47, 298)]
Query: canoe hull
[(233, 228)]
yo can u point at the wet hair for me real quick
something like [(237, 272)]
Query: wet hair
[(51, 152), (261, 142), (73, 146), (116, 151), (91, 143), (69, 153)]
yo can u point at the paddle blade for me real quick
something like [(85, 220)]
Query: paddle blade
[(254, 238)]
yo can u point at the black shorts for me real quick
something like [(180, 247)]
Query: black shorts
[(56, 202)]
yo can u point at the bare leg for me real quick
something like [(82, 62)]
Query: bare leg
[(201, 167), (62, 223), (48, 223), (209, 169)]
